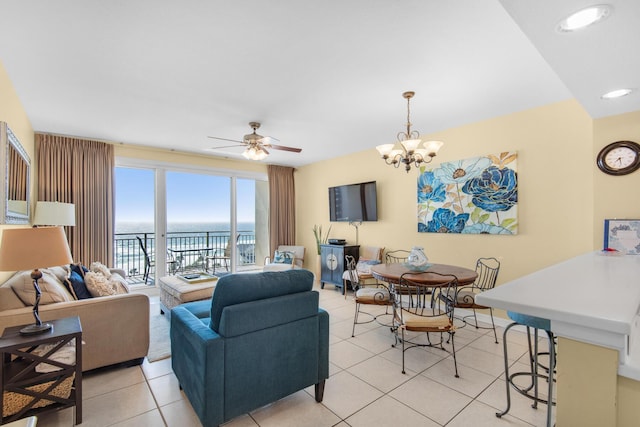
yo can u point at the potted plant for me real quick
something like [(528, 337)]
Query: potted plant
[(320, 238)]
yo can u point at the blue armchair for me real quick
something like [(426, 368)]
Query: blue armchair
[(260, 338)]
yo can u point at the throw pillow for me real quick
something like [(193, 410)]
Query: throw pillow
[(119, 283), (79, 268), (98, 267), (77, 286), (51, 289), (283, 257), (100, 286)]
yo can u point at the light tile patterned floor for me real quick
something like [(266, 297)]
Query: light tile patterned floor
[(366, 387)]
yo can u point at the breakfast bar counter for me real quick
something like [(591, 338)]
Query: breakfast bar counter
[(592, 301)]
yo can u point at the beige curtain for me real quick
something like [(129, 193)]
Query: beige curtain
[(72, 170), (282, 215)]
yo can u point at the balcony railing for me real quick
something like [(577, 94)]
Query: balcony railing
[(195, 246)]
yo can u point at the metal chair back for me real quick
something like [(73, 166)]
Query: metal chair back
[(487, 269), (397, 256)]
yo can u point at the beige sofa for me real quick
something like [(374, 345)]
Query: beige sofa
[(115, 328)]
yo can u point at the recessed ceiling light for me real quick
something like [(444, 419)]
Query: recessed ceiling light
[(583, 18), (618, 93)]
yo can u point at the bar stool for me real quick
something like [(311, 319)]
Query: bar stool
[(537, 324)]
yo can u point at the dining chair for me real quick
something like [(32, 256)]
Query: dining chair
[(437, 317), (487, 269), (377, 295), (400, 256), (369, 256), (397, 256)]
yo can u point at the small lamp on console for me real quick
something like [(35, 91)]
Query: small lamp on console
[(30, 249)]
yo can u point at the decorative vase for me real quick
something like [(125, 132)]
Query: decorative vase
[(417, 259)]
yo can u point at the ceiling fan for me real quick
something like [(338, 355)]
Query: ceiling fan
[(255, 145)]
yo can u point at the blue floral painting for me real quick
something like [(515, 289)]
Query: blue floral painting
[(471, 196)]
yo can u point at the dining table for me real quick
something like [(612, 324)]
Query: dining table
[(391, 273)]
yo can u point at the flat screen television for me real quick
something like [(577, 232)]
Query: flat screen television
[(353, 202)]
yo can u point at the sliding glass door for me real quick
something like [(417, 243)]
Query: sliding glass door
[(190, 221)]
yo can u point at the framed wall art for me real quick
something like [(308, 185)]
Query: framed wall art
[(622, 235), (478, 195)]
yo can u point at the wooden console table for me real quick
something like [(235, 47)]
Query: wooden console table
[(19, 376)]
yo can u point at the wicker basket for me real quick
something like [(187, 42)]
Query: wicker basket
[(13, 402)]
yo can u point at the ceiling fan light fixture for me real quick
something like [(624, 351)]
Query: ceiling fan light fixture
[(584, 18), (254, 153), (618, 93)]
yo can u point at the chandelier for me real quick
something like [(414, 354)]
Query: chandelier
[(409, 143)]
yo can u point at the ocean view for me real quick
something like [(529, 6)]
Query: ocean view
[(181, 236), (132, 227)]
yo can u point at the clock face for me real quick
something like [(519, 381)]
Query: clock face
[(619, 158)]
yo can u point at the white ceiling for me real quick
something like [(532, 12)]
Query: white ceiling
[(325, 76)]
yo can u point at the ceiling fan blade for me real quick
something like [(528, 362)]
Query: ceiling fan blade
[(284, 148), (224, 146), (267, 140), (226, 139), (265, 150)]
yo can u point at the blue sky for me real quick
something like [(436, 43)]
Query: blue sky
[(190, 197)]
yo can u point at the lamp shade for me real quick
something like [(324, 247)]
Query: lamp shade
[(54, 213), (31, 248)]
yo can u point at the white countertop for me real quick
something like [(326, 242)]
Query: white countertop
[(592, 298)]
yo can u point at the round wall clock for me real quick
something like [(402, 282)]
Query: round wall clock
[(619, 158)]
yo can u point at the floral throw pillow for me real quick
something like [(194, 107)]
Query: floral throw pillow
[(283, 257)]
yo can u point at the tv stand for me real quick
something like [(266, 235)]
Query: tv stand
[(333, 263)]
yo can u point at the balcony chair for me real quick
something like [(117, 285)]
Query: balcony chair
[(220, 256), (286, 257), (435, 318), (373, 296), (260, 338), (150, 262), (487, 269)]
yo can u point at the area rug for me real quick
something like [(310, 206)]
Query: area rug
[(159, 341)]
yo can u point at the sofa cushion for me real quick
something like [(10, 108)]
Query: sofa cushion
[(52, 290), (8, 299), (239, 288)]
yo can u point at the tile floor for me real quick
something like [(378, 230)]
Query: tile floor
[(365, 387)]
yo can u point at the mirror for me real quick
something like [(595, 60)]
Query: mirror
[(15, 168)]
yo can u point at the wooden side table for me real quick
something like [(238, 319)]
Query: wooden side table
[(19, 378)]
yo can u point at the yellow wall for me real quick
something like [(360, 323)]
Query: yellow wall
[(615, 196), (555, 208), (12, 112)]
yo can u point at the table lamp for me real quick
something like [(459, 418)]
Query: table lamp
[(30, 249), (54, 213)]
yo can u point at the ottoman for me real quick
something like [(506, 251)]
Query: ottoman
[(175, 291)]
